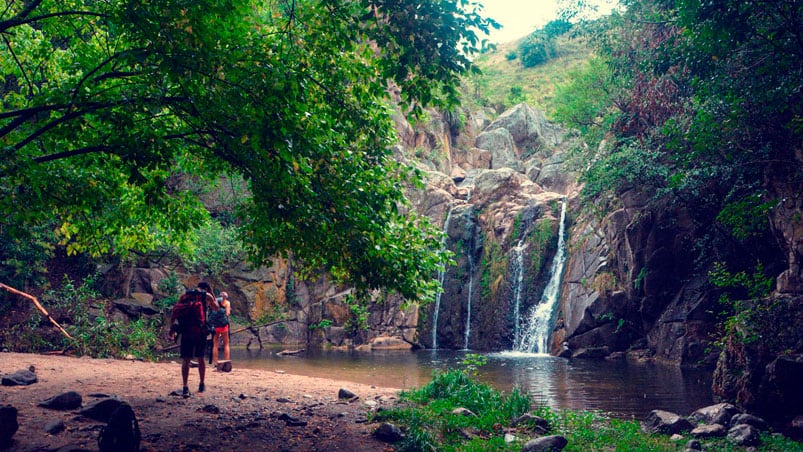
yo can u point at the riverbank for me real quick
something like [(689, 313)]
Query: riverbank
[(244, 409)]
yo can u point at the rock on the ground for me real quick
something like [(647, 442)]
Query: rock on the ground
[(55, 427), (65, 401), (23, 377), (709, 431), (344, 393), (665, 422), (8, 424), (389, 433), (720, 413), (749, 419), (545, 444), (744, 435), (101, 410)]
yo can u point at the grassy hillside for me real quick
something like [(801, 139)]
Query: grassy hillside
[(500, 74)]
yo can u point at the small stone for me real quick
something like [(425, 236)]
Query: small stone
[(55, 427), (344, 393), (389, 433)]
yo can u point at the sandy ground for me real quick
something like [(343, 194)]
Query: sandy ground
[(240, 410)]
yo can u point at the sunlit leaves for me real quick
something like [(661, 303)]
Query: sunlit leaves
[(117, 115)]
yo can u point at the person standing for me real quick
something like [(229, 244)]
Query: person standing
[(222, 329), (188, 320)]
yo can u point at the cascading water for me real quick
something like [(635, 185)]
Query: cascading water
[(518, 271), (468, 307), (441, 276), (536, 336)]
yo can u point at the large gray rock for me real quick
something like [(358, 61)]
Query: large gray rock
[(665, 422), (720, 413), (744, 435)]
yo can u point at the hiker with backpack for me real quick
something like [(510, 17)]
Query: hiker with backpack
[(188, 320), (220, 321)]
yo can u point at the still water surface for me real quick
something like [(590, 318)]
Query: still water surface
[(619, 388)]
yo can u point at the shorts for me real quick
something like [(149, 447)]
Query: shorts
[(192, 347), (221, 329)]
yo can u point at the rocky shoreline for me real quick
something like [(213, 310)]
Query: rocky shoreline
[(243, 409)]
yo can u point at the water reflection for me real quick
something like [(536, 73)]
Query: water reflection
[(619, 388)]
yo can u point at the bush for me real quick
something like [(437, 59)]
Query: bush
[(536, 49)]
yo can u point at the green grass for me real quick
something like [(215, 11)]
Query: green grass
[(537, 83), (427, 419)]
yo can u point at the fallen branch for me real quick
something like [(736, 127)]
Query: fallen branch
[(38, 306), (251, 328)]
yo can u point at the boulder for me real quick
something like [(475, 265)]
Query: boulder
[(8, 424), (665, 422), (721, 413), (744, 435)]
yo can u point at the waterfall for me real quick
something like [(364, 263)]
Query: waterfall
[(468, 307), (518, 273), (441, 276), (536, 335)]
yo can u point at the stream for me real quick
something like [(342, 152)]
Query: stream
[(621, 389)]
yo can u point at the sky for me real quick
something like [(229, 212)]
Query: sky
[(521, 17)]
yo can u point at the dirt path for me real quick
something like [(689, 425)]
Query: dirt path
[(240, 410)]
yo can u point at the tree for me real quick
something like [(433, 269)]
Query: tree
[(109, 108)]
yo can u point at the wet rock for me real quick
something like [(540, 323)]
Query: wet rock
[(545, 444), (344, 393), (67, 401), (8, 424), (749, 419), (665, 422), (389, 433), (709, 431), (23, 377), (744, 435), (721, 413), (55, 427)]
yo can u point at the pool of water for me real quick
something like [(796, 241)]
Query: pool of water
[(621, 388)]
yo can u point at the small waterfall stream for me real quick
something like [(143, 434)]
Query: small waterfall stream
[(518, 269), (468, 306), (536, 336), (441, 276)]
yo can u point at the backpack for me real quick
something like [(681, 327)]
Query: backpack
[(189, 313), (121, 434), (218, 319)]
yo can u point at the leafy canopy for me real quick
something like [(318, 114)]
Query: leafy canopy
[(110, 108)]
